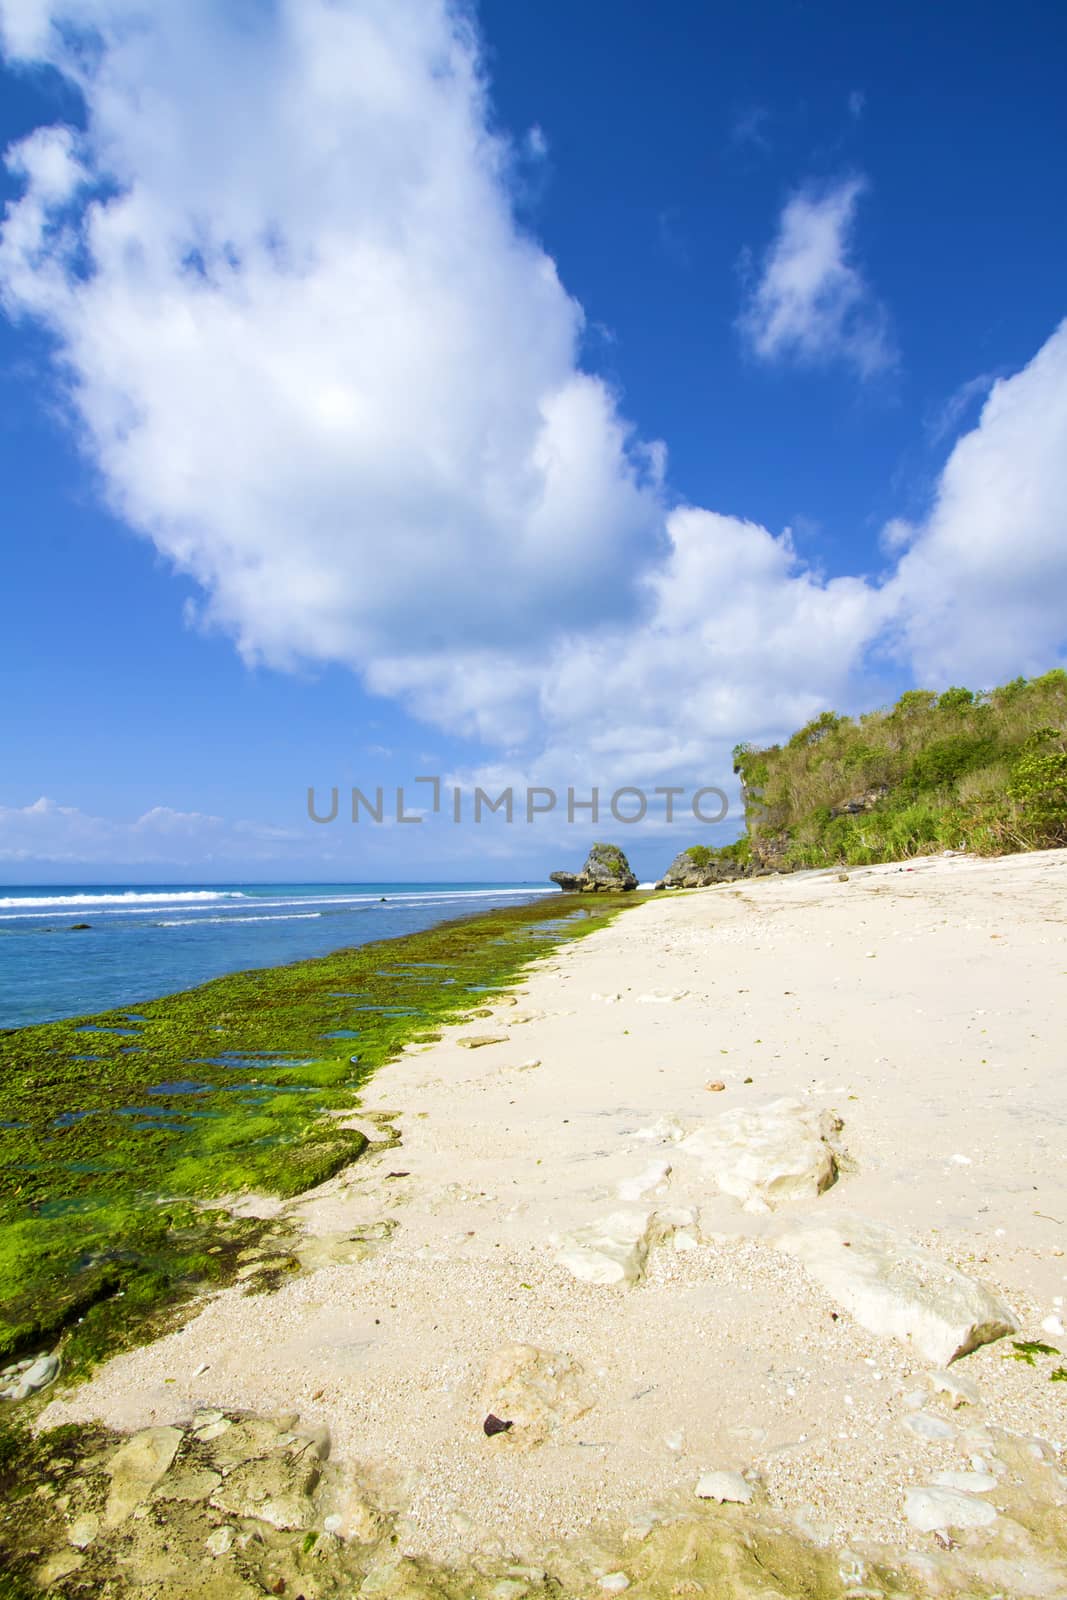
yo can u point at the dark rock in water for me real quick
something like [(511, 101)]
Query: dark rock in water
[(606, 869), (699, 867), (79, 927), (569, 882)]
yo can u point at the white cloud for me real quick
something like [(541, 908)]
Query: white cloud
[(857, 100), (318, 363), (316, 360), (946, 419), (981, 594), (811, 303)]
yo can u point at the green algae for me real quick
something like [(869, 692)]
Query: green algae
[(110, 1158)]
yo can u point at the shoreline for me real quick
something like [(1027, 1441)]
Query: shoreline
[(125, 1130), (917, 1008)]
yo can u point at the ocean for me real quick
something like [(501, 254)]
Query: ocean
[(145, 940)]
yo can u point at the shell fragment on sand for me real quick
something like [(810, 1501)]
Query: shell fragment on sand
[(898, 1291), (769, 1155)]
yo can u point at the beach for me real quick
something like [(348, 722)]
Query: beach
[(909, 1017)]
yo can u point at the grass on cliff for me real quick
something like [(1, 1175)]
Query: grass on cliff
[(119, 1130), (985, 772)]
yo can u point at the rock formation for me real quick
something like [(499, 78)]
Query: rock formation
[(699, 867), (606, 869)]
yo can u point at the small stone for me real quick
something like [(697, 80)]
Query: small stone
[(724, 1486), (41, 1372), (219, 1542), (477, 1041), (213, 1430), (929, 1427), (961, 1391), (967, 1482), (933, 1509), (83, 1531), (716, 1086), (1053, 1325), (614, 1582)]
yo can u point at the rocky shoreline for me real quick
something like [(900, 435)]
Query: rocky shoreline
[(687, 1275)]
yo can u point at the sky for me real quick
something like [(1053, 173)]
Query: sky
[(545, 396)]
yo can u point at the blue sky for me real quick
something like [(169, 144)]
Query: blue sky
[(537, 395)]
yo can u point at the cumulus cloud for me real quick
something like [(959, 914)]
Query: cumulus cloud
[(811, 303), (981, 593), (316, 360)]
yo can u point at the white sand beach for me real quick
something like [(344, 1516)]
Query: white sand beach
[(922, 1009)]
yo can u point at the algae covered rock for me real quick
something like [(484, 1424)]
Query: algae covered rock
[(606, 870)]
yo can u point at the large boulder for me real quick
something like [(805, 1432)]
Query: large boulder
[(606, 869), (699, 867), (898, 1291), (768, 1156)]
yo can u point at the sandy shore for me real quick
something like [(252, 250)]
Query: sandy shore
[(923, 1005)]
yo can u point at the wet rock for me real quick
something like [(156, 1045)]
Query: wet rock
[(894, 1289), (275, 1489), (83, 1530), (58, 1566), (537, 1390), (724, 1486), (359, 1519), (188, 1483), (41, 1373), (220, 1541), (135, 1469), (476, 1041), (767, 1156), (933, 1510)]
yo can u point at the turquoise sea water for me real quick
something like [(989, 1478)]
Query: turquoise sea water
[(145, 940)]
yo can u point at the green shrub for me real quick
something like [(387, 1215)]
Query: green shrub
[(986, 771)]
